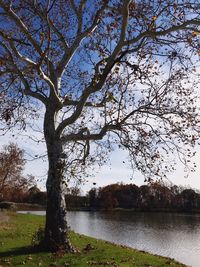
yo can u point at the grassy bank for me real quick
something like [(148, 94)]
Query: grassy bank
[(12, 206), (16, 231)]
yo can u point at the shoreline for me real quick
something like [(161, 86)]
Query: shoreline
[(102, 253), (13, 206)]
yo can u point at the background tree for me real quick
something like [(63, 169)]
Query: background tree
[(155, 196), (93, 198), (13, 184), (36, 196), (111, 73)]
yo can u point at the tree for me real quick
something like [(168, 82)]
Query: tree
[(106, 198), (13, 185), (189, 200), (36, 196), (93, 198), (104, 72), (159, 196)]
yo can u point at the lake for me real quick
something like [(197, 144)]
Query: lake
[(173, 235)]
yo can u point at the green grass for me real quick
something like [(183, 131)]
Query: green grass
[(16, 250)]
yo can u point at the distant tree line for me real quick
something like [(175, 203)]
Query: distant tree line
[(155, 196)]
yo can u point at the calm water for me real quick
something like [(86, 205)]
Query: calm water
[(173, 235)]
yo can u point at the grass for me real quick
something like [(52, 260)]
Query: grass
[(16, 250)]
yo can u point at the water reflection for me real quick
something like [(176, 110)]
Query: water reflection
[(173, 235)]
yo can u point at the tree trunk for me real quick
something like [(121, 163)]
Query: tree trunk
[(56, 228)]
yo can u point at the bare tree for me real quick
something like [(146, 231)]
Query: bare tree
[(107, 73)]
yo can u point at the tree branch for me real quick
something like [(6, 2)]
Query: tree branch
[(69, 102), (80, 37), (96, 86), (21, 25), (27, 90), (89, 137), (154, 34)]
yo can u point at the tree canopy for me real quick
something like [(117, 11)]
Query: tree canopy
[(13, 183), (111, 73)]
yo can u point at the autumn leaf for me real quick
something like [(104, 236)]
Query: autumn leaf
[(195, 34), (42, 35)]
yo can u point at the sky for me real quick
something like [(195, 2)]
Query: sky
[(113, 172)]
